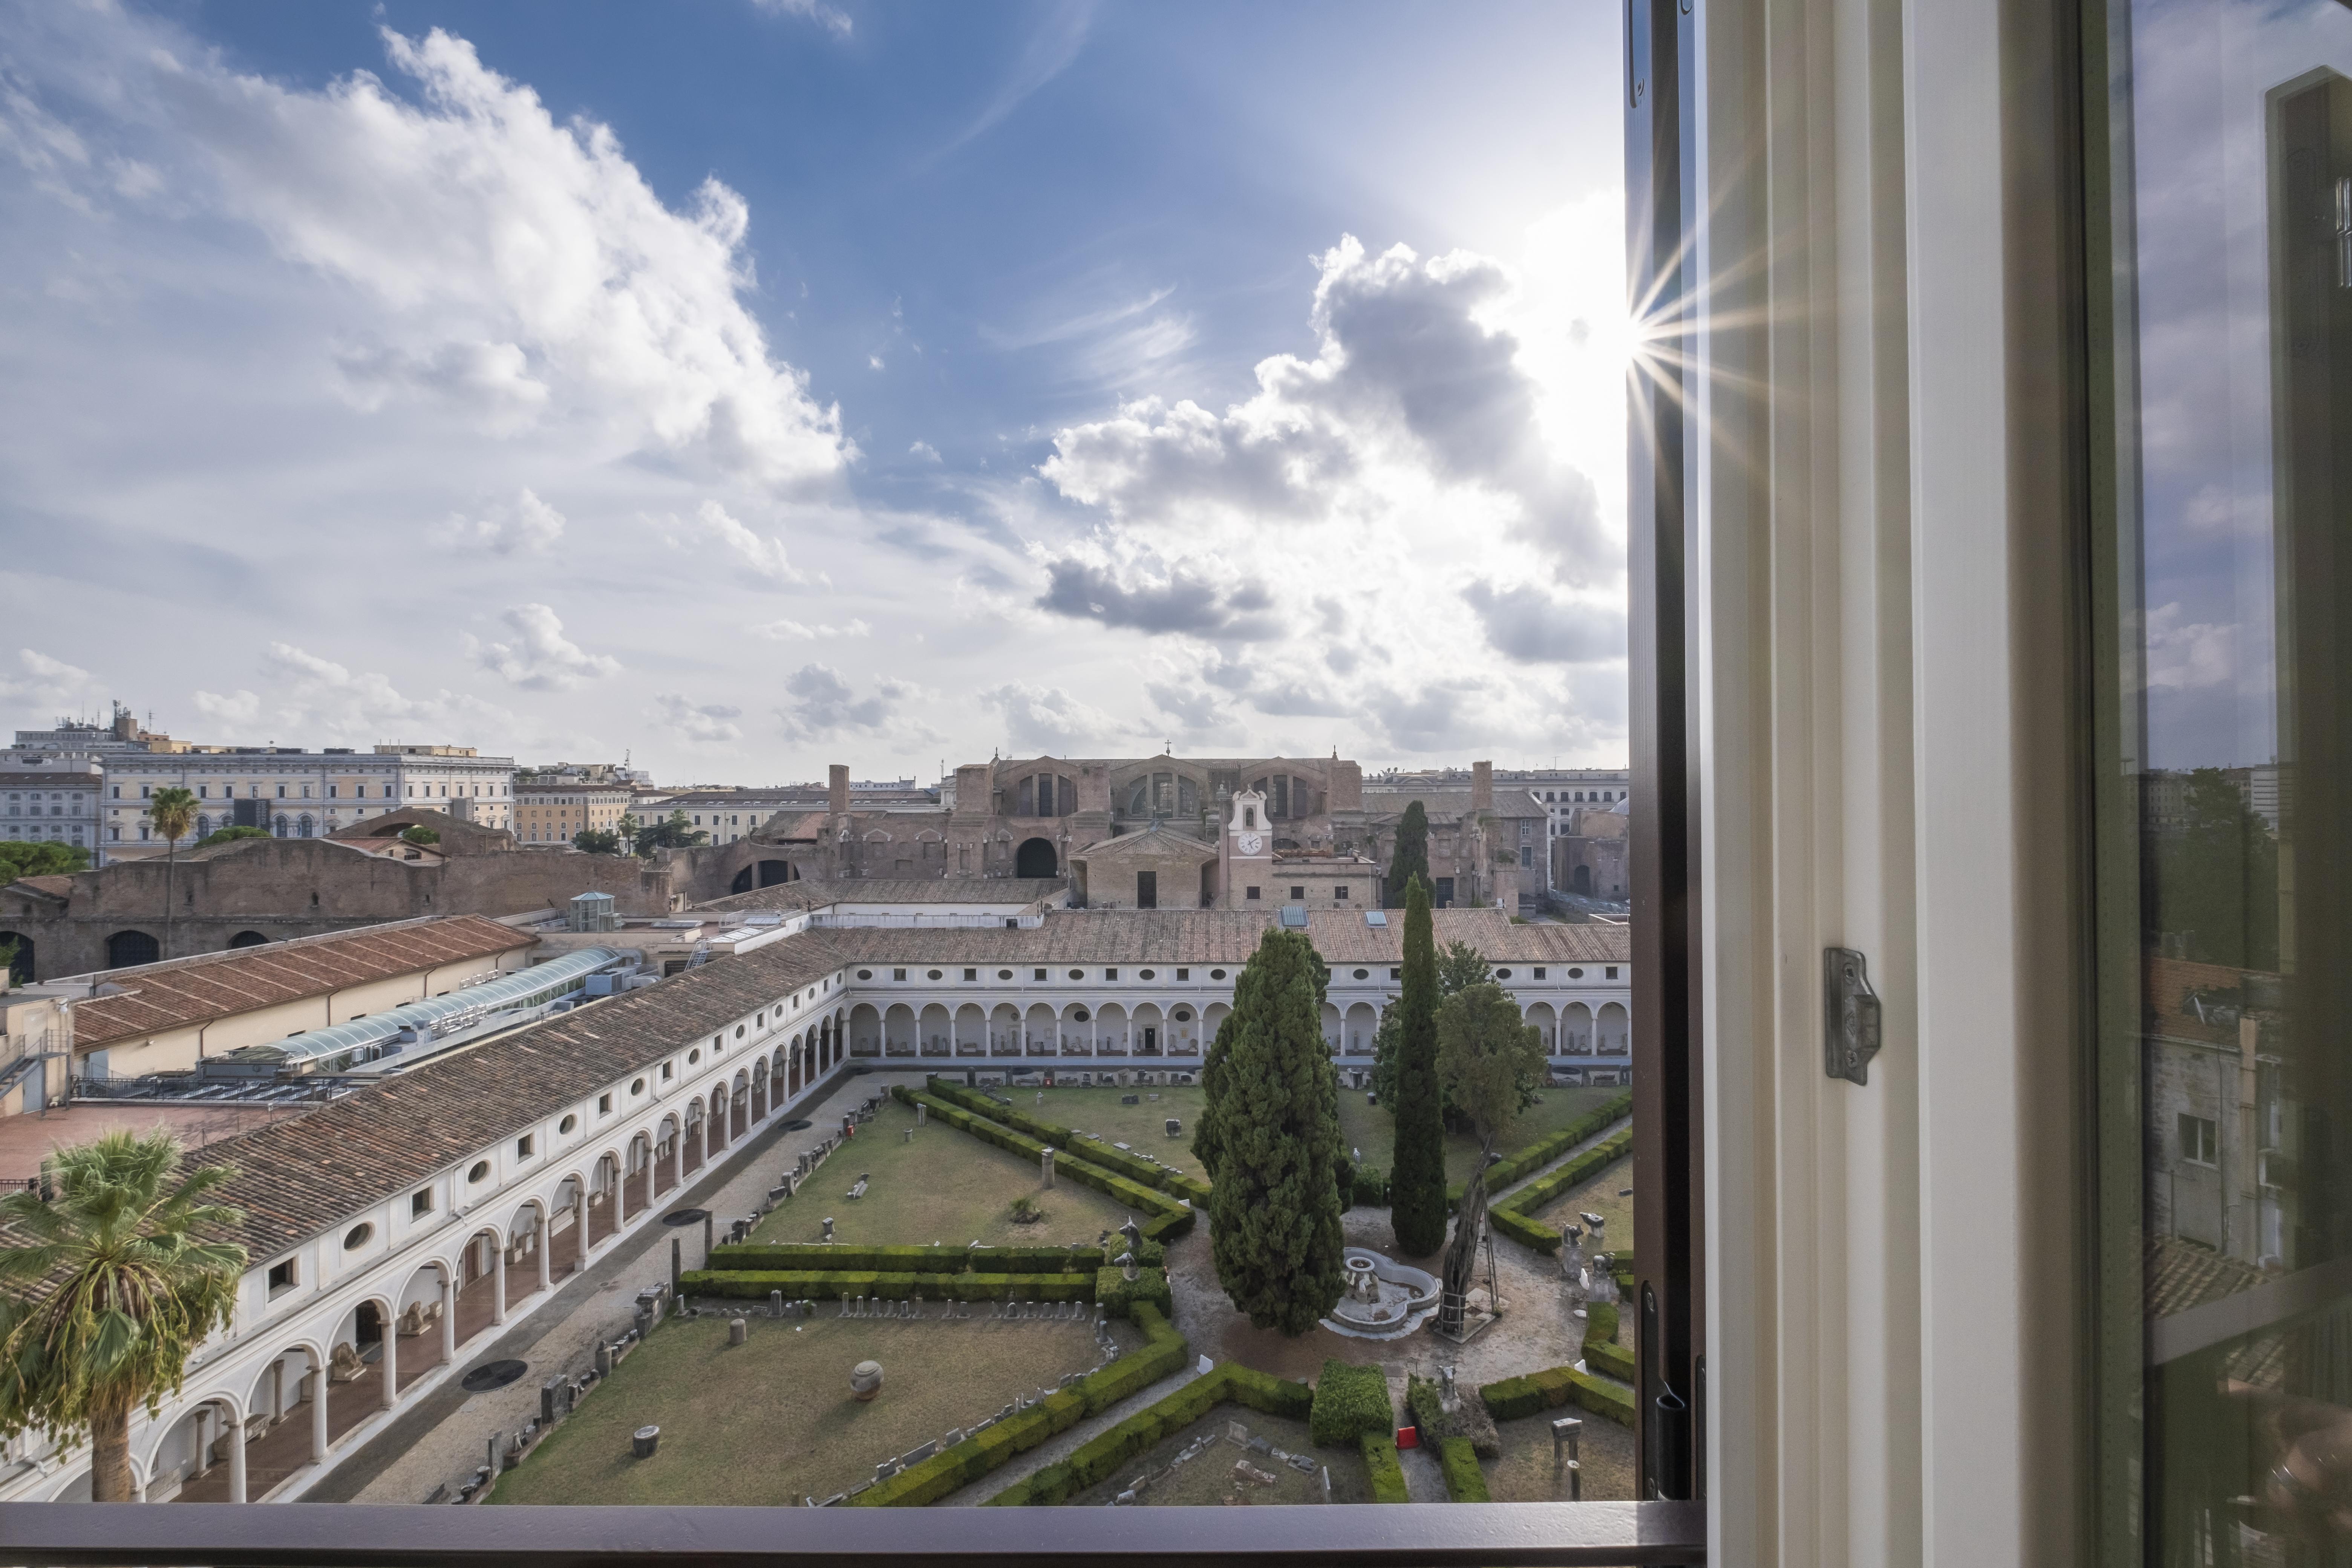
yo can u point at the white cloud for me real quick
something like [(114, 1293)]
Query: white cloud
[(820, 702), (540, 658), (708, 722), (763, 557), (923, 451), (836, 21), (527, 524), (236, 712), (50, 687), (794, 631), (2183, 656), (317, 700), (1048, 718)]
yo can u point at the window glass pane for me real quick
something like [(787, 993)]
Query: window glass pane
[(2225, 906)]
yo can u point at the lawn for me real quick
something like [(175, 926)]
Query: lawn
[(1526, 1474), (1599, 1197), (772, 1422), (1143, 1125), (1210, 1476), (1372, 1129), (945, 1186)]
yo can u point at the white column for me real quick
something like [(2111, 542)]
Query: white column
[(318, 1413), (539, 1240), (236, 1434), (390, 1360), (205, 1418), (448, 1318), (580, 1219), (497, 1282)]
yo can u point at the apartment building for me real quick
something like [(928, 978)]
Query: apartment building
[(297, 794)]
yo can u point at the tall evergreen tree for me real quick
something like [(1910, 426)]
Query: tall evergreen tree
[(1272, 1125), (1410, 858), (1208, 1140), (1417, 1173)]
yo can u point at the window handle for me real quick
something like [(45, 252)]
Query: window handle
[(1849, 1025)]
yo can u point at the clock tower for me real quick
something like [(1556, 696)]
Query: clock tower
[(1245, 855)]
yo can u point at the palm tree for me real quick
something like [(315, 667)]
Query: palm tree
[(174, 811), (106, 1290)]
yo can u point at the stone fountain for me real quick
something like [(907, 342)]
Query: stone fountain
[(1383, 1300)]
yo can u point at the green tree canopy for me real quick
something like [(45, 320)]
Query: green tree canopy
[(417, 832), (2215, 880), (230, 835), (598, 841), (1417, 1172), (41, 859), (1489, 1058), (1272, 1132), (171, 810), (1409, 856), (106, 1291), (1459, 967), (672, 832)]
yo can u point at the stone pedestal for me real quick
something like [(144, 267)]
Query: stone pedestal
[(865, 1380)]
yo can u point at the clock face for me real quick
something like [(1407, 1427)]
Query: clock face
[(1252, 843)]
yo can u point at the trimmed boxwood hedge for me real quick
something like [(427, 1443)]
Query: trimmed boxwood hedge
[(1168, 1216), (831, 1285), (1379, 1451), (833, 1257), (1088, 1147), (1116, 1293), (1465, 1482), (1535, 1156), (1510, 1216), (1163, 1352), (1601, 1351), (1349, 1401), (1101, 1456), (1554, 1386)]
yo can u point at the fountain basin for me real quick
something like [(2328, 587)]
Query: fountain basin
[(1384, 1300)]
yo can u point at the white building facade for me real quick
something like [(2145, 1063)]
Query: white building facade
[(294, 793)]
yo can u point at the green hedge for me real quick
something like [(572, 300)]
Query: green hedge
[(1379, 1451), (831, 1285), (1168, 1216), (1535, 1156), (1086, 1146), (1465, 1482), (1601, 1351), (833, 1258), (1349, 1401), (1510, 1216), (1116, 1293), (1550, 1389), (1164, 1351), (1101, 1456), (1372, 1189)]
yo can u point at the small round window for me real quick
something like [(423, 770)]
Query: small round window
[(864, 975), (738, 1031), (638, 1086), (1147, 974), (693, 1056), (1004, 974), (1183, 1015), (1216, 974), (930, 974), (1361, 973), (1502, 974), (1576, 975), (567, 1124), (481, 1168), (1077, 974), (358, 1236)]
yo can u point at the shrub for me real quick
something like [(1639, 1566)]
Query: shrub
[(1465, 1482), (833, 1285), (1510, 1216), (1535, 1156), (1421, 1407), (1168, 1216), (834, 1257), (1601, 1351), (1085, 1146), (1349, 1401), (1554, 1386), (1379, 1451), (1117, 1294), (1101, 1456)]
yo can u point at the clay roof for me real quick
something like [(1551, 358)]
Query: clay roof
[(56, 887), (185, 991), (1225, 936), (298, 1178), (808, 895)]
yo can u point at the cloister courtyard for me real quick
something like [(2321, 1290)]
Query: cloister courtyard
[(773, 1420)]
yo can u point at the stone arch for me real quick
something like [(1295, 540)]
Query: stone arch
[(1148, 1031), (934, 1030), (1576, 1030), (1611, 1030), (898, 1030), (759, 1090), (1331, 1027), (1037, 1031), (1075, 1028), (637, 1175), (1362, 1024), (1212, 1015), (1580, 881), (668, 1144), (792, 1069), (1004, 1029), (1545, 1023), (774, 872), (304, 826), (1112, 1030), (605, 1193), (127, 947), (194, 1450), (971, 1030), (423, 1328), (1037, 857), (526, 1249), (743, 882), (481, 1298), (249, 939), (567, 1231), (739, 1105), (696, 1134), (1184, 1030), (865, 1030)]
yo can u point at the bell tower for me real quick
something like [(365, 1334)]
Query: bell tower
[(1245, 852)]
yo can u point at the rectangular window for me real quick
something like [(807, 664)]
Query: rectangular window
[(604, 1105), (1183, 974), (1610, 973), (1147, 889), (2199, 1141), (524, 1146), (1037, 974), (1249, 892), (1539, 972), (971, 975), (1110, 974), (1340, 893), (1297, 895), (281, 1278), (420, 1202)]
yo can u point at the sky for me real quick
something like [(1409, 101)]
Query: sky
[(745, 385)]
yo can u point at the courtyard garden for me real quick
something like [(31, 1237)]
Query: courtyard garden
[(1604, 1194), (1372, 1129), (773, 1421), (1235, 1456), (1525, 1473), (942, 1186)]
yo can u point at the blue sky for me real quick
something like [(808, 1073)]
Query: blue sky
[(750, 386)]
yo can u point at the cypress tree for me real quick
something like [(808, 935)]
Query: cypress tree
[(1409, 858), (1272, 1124), (1417, 1173)]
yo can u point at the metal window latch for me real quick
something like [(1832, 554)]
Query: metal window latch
[(1849, 1014)]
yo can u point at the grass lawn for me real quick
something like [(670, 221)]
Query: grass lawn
[(1599, 1197), (945, 1186), (1372, 1129), (1209, 1477), (772, 1422), (1143, 1126), (1525, 1472)]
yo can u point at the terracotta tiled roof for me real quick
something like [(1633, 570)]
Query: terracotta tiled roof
[(298, 1178), (185, 991), (1226, 936), (807, 895)]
